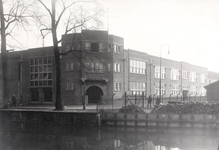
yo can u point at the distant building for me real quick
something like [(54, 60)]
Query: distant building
[(95, 66)]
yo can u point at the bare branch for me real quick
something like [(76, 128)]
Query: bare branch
[(50, 13)]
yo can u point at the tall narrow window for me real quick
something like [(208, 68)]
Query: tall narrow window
[(117, 86), (67, 66), (108, 67), (117, 67), (71, 66), (87, 46)]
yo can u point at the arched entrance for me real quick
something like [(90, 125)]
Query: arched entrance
[(94, 94)]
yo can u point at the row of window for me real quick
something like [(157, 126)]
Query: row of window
[(94, 47), (175, 75), (40, 61), (138, 67), (175, 89), (93, 67)]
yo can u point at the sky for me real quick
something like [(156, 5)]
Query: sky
[(190, 28)]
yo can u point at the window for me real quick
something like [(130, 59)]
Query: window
[(185, 87), (94, 67), (157, 72), (157, 89), (193, 77), (117, 49), (41, 71), (203, 78), (185, 74), (174, 74), (117, 86), (117, 67), (69, 66), (69, 86), (109, 48), (94, 47), (137, 87), (138, 67), (174, 89), (101, 47), (193, 90), (69, 47), (87, 46), (108, 67)]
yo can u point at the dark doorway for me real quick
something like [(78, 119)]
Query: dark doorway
[(94, 94), (34, 95), (47, 94)]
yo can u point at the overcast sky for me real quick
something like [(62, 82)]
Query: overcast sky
[(189, 27)]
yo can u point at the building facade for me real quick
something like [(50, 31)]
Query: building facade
[(94, 67)]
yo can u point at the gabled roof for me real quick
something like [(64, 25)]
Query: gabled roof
[(216, 82)]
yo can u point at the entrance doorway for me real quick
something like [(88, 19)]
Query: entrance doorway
[(94, 94), (47, 94)]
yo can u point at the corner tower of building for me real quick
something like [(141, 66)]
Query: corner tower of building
[(90, 62)]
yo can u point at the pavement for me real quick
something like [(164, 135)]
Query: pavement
[(70, 108)]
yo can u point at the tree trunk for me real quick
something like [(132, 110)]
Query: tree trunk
[(4, 57), (58, 104)]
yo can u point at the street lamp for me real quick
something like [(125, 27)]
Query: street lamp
[(160, 68)]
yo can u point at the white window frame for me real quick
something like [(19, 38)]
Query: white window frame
[(118, 86), (117, 67), (175, 74), (138, 67), (137, 87), (193, 90), (175, 89), (203, 78), (157, 89), (193, 77), (185, 74), (157, 72)]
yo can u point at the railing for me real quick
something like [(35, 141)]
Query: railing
[(142, 100)]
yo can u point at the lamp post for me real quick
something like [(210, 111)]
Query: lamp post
[(160, 69)]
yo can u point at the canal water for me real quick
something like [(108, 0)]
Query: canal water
[(57, 137)]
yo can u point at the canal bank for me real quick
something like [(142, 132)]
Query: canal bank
[(76, 116)]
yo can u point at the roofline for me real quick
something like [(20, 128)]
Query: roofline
[(211, 84)]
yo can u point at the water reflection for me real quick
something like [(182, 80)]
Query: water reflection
[(30, 137)]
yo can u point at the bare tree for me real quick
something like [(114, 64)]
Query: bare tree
[(67, 15), (18, 14)]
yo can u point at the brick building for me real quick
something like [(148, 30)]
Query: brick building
[(95, 66)]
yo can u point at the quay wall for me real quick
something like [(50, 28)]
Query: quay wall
[(22, 118), (160, 120), (47, 118)]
